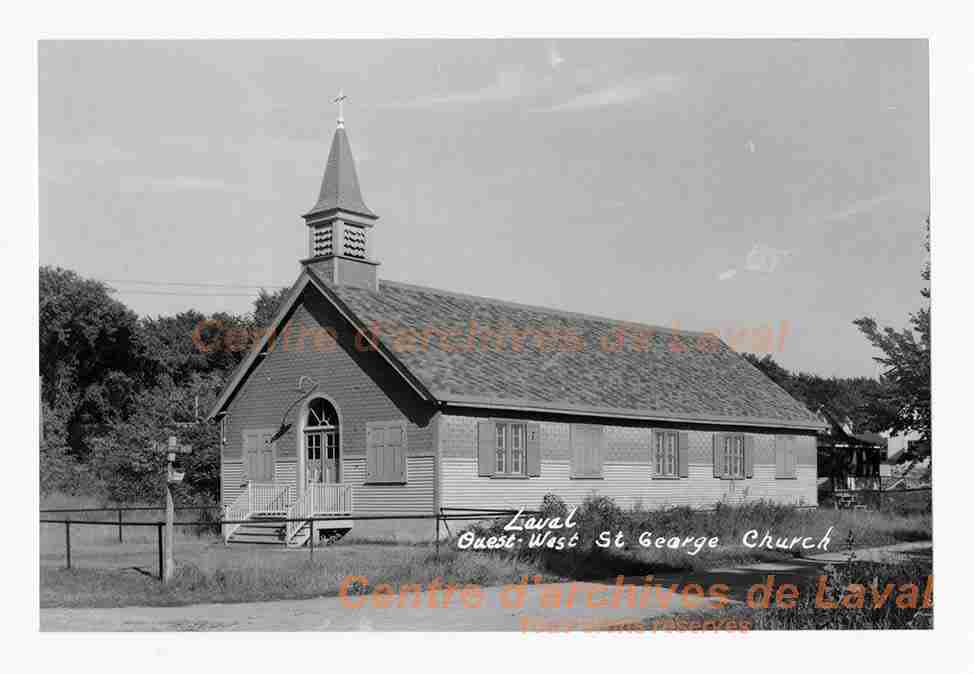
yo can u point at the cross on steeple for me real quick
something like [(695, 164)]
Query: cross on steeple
[(339, 101)]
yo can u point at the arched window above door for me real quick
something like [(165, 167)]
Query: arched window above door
[(321, 414)]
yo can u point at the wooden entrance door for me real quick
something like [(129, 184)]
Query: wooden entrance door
[(259, 457), (321, 449)]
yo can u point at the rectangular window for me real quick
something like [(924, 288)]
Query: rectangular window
[(732, 453), (666, 454), (509, 449), (517, 449)]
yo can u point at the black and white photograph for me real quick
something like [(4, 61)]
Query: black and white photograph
[(608, 337)]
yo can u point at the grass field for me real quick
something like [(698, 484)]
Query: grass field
[(105, 573), (108, 573)]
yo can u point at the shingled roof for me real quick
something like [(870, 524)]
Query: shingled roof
[(480, 352), (466, 351)]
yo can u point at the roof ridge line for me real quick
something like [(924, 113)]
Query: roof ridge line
[(551, 310)]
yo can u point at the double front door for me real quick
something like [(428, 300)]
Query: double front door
[(321, 456)]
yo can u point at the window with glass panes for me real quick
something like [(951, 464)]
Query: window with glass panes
[(666, 455), (509, 449), (733, 456)]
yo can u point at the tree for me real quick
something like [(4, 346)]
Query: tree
[(266, 306), (192, 343), (859, 401), (906, 359), (127, 462), (92, 356)]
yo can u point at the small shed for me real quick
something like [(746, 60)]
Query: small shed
[(847, 460)]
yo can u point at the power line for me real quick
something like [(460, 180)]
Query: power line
[(192, 284), (123, 291)]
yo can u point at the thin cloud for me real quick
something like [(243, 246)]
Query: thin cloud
[(623, 92), (508, 85), (762, 259), (863, 206), (765, 259)]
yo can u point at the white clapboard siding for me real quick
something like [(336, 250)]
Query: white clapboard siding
[(231, 477), (286, 473), (414, 498), (627, 484)]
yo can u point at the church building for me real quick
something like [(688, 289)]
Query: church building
[(371, 397)]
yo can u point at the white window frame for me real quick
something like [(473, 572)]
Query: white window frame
[(510, 449), (666, 454), (733, 457)]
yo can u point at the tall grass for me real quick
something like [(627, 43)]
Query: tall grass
[(729, 523)]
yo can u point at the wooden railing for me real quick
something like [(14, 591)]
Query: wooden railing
[(318, 499), (270, 499), (331, 499), (299, 510), (236, 512)]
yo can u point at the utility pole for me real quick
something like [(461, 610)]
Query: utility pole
[(169, 562)]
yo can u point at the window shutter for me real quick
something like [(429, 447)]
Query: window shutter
[(395, 453), (485, 448), (780, 456), (596, 450), (718, 456), (792, 456), (249, 456), (578, 459), (684, 451), (786, 449), (533, 450), (374, 439), (749, 455)]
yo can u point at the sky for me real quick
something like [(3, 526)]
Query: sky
[(771, 191)]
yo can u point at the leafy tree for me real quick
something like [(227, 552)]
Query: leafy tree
[(266, 306), (126, 457), (860, 401), (192, 343), (906, 359), (92, 356)]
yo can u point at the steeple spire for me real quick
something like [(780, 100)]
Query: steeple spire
[(339, 186), (339, 224), (341, 117)]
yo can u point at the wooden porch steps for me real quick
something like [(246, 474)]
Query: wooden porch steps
[(250, 517), (259, 531)]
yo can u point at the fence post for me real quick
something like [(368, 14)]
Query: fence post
[(311, 538), (119, 525), (159, 526), (67, 540)]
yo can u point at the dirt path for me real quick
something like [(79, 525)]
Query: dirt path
[(496, 611)]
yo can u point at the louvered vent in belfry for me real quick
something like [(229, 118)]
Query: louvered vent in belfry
[(354, 242), (321, 241)]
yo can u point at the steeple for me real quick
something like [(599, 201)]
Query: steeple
[(339, 246), (339, 186)]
